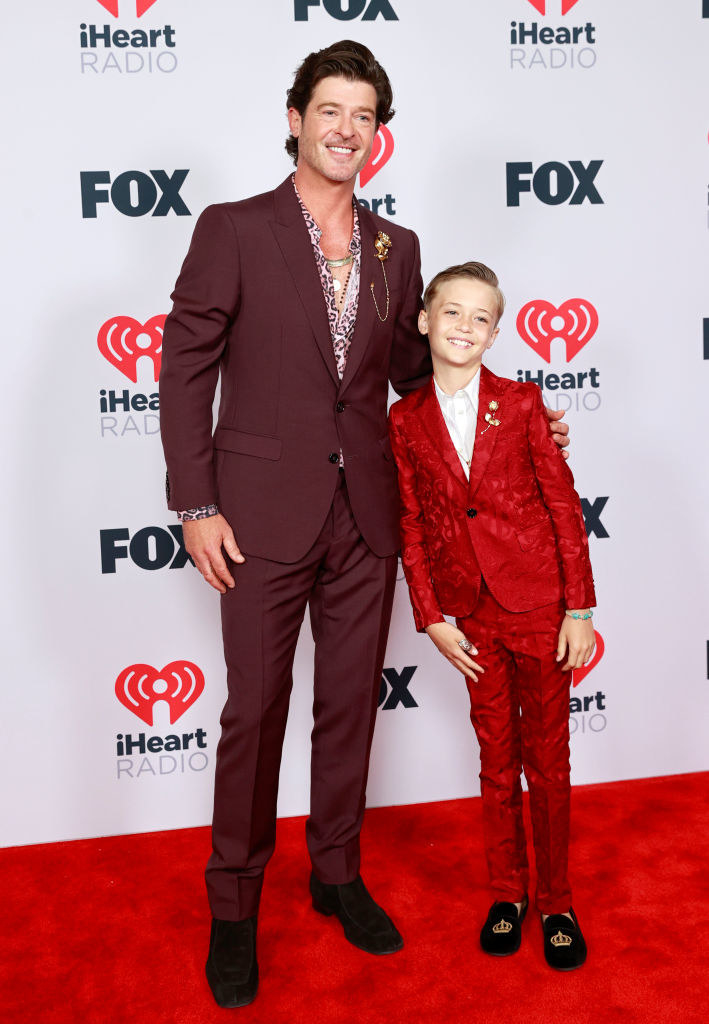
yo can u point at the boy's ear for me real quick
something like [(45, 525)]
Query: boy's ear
[(423, 322), (491, 342)]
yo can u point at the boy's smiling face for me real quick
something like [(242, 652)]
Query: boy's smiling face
[(461, 323)]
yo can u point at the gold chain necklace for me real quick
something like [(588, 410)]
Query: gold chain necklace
[(344, 262), (467, 462)]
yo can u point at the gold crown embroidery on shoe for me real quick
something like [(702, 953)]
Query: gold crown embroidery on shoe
[(502, 927), (560, 939)]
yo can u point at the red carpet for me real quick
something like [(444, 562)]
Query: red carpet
[(114, 931)]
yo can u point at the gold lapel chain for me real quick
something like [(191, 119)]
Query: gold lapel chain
[(382, 245)]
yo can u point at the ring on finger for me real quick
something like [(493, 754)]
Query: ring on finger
[(465, 645)]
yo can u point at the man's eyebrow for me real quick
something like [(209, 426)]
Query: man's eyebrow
[(357, 110)]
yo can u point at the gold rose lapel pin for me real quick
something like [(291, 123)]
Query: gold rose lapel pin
[(490, 417), (382, 245)]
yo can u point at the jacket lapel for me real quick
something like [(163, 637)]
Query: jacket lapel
[(432, 419), (292, 236), (370, 271), (491, 390)]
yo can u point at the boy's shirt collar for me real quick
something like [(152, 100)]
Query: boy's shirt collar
[(471, 389)]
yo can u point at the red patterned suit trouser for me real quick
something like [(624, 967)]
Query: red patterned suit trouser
[(520, 711), (349, 591)]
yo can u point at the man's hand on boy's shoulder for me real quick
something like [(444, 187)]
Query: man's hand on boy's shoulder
[(559, 431)]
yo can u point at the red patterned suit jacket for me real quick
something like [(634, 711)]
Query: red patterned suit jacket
[(518, 520)]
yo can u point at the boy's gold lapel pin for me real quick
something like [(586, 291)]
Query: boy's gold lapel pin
[(382, 245), (490, 417)]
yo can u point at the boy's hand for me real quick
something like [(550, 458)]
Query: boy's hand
[(578, 637), (559, 431), (446, 638)]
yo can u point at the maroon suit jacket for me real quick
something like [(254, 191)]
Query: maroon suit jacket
[(518, 520), (249, 304)]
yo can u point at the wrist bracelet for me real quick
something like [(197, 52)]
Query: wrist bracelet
[(578, 615)]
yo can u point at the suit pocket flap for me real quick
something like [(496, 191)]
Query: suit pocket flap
[(258, 445), (540, 533)]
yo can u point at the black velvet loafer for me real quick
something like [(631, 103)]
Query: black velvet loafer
[(501, 935), (366, 925), (564, 945), (232, 970)]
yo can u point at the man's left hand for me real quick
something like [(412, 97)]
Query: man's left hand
[(559, 431)]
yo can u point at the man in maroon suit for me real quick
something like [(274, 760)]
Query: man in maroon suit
[(307, 305)]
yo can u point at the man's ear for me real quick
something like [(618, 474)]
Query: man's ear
[(423, 322), (294, 122)]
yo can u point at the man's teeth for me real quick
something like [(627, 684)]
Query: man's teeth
[(340, 149), (460, 343)]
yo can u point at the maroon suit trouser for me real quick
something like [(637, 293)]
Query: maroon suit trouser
[(520, 711), (349, 591)]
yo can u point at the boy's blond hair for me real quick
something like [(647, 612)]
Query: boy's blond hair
[(477, 271)]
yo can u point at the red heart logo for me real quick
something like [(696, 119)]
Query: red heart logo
[(579, 674), (123, 341), (539, 323), (540, 5), (140, 687), (141, 6), (381, 153)]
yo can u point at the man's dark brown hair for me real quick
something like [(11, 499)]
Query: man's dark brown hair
[(346, 59)]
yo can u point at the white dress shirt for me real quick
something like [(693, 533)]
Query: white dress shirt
[(460, 412)]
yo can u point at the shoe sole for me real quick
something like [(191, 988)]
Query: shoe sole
[(565, 970), (512, 952)]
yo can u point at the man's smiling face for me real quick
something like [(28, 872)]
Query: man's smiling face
[(336, 133)]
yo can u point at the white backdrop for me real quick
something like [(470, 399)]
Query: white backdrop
[(208, 97)]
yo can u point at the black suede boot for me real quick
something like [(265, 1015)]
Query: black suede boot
[(365, 923), (232, 970)]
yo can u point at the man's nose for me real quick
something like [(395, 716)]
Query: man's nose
[(346, 126)]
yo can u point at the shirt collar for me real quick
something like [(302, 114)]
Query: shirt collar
[(315, 231), (471, 389)]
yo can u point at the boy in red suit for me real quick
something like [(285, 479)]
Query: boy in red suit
[(492, 533)]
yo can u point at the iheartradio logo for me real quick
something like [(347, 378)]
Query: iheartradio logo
[(141, 6), (579, 674), (574, 321), (541, 6), (123, 341), (381, 154), (140, 687)]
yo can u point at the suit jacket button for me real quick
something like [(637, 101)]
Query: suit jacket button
[(334, 457), (471, 513), (340, 407)]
